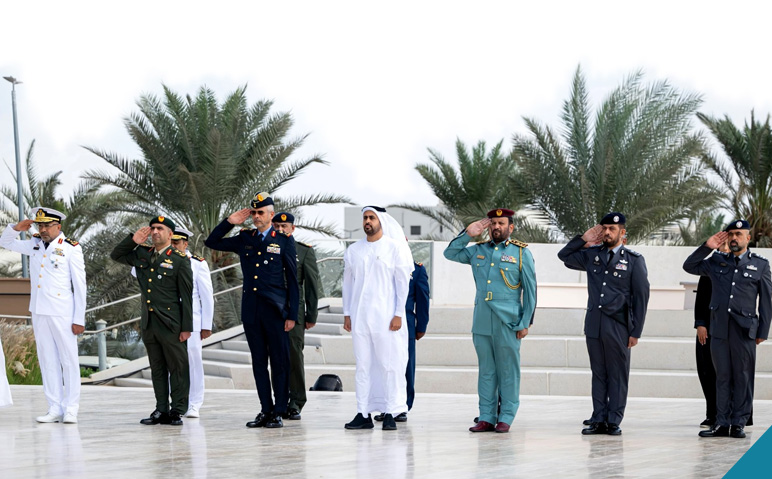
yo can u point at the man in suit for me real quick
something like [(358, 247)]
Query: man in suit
[(165, 281), (308, 311), (740, 281), (618, 296), (57, 305), (269, 303), (505, 276), (203, 313)]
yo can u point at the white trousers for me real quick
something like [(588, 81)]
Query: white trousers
[(58, 357), (381, 361), (196, 365), (5, 389)]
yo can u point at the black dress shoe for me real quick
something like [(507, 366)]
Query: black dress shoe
[(293, 414), (587, 422), (401, 417), (708, 422), (175, 419), (379, 417), (260, 420), (595, 428), (274, 422), (613, 429), (156, 417), (716, 431), (389, 424), (737, 432), (360, 422)]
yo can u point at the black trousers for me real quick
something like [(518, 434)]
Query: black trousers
[(707, 374), (264, 329), (734, 359), (610, 365), (168, 359), (297, 375)]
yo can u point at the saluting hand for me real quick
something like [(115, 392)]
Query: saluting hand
[(141, 235), (477, 228), (593, 235), (23, 225), (715, 241), (239, 217)]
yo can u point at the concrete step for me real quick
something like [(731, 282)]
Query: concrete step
[(210, 382), (543, 351), (332, 329), (228, 355), (547, 321), (548, 381)]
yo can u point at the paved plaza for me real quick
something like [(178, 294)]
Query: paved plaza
[(659, 440)]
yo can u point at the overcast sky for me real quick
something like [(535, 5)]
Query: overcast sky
[(373, 85)]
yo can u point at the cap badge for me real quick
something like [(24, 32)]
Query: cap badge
[(616, 219), (499, 212), (739, 224), (284, 217), (259, 197), (161, 219), (40, 214)]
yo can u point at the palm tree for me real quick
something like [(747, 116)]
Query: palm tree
[(467, 193), (701, 227), (202, 160), (746, 173), (635, 154)]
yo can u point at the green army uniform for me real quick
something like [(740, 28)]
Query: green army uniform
[(166, 286), (308, 279), (505, 301)]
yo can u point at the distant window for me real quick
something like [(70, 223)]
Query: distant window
[(415, 231)]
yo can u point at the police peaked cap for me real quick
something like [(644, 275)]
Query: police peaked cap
[(738, 225), (46, 215), (162, 220), (501, 213), (613, 218), (181, 234), (261, 199), (284, 217)]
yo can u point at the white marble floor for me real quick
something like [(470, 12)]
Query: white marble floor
[(659, 440)]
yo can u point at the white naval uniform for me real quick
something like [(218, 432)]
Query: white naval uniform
[(203, 311), (5, 389), (57, 301), (376, 277)]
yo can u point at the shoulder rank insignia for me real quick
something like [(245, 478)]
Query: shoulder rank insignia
[(756, 255), (36, 235), (482, 242), (197, 257), (632, 252), (61, 240), (517, 243), (180, 253), (71, 241), (304, 244)]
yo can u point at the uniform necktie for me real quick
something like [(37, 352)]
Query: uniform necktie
[(154, 256), (610, 257), (736, 260), (45, 244)]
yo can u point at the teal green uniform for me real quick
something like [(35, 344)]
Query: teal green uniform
[(504, 304)]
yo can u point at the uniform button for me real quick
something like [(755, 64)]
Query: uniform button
[(151, 270), (606, 272), (168, 309), (731, 296), (150, 280), (44, 256), (600, 306), (486, 299), (489, 281), (730, 310), (58, 294), (254, 289), (257, 264), (255, 276), (38, 286), (42, 266), (602, 295), (148, 301), (496, 248), (148, 290), (604, 284), (735, 271), (732, 283), (491, 264), (41, 276), (259, 253), (150, 309)]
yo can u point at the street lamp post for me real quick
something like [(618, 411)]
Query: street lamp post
[(19, 195)]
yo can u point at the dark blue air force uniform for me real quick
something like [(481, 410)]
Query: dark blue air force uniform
[(417, 309), (735, 323), (618, 296), (270, 296)]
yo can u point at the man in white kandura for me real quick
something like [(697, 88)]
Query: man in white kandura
[(376, 276), (58, 307), (203, 311)]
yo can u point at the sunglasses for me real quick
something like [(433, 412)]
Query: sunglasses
[(256, 212)]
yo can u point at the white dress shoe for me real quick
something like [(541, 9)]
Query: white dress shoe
[(192, 412), (48, 418), (70, 419)]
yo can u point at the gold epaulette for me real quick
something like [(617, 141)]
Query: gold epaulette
[(483, 242), (197, 257), (304, 244), (181, 253), (517, 243), (71, 241)]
